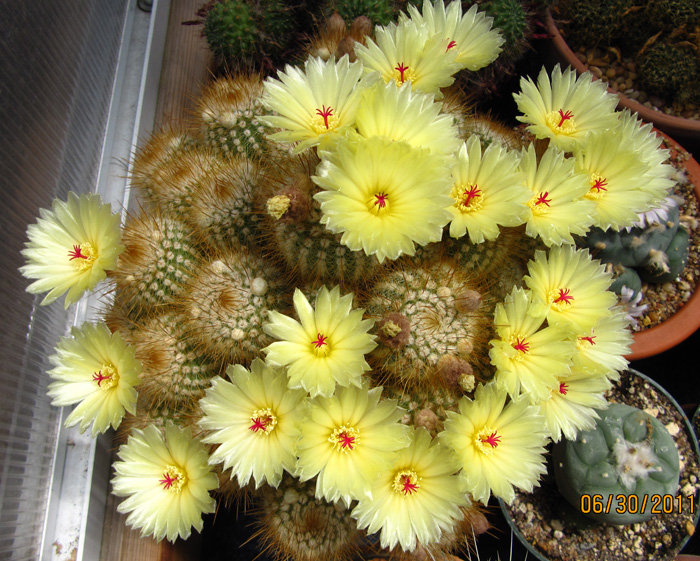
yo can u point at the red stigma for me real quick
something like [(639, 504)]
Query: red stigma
[(76, 253), (401, 68), (381, 200), (564, 117), (599, 185), (493, 439), (259, 423), (322, 340), (325, 113), (99, 378), (563, 388), (589, 339), (408, 487), (168, 481), (346, 441), (564, 297), (451, 45), (542, 199), (521, 345), (472, 193)]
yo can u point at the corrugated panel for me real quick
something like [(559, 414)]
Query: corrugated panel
[(57, 62)]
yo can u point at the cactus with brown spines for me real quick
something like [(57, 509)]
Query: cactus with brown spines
[(297, 525), (226, 302), (311, 253), (432, 322), (224, 211), (160, 255), (176, 372), (228, 112)]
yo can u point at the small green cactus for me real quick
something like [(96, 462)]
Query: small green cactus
[(230, 30), (511, 18), (656, 253), (380, 12), (669, 69), (244, 32), (672, 14), (628, 454)]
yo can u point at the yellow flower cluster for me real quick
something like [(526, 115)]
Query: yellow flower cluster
[(394, 172)]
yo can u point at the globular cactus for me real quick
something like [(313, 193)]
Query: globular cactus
[(152, 160), (510, 16), (628, 454), (654, 254), (379, 12), (245, 33), (672, 14), (226, 302), (597, 22), (309, 251), (431, 322), (223, 212), (176, 373), (228, 112), (297, 525), (669, 68), (161, 254)]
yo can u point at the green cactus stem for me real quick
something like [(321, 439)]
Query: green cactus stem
[(628, 457)]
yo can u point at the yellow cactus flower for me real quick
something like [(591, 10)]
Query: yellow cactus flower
[(525, 355), (572, 405), (571, 287), (98, 370), (557, 207), (314, 104), (166, 481), (253, 419), (470, 35), (500, 446), (408, 53), (488, 191), (347, 440), (566, 108), (417, 499), (71, 247), (326, 346), (383, 196), (398, 113)]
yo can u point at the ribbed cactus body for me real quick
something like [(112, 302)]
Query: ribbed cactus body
[(628, 454), (300, 526), (226, 302), (223, 211), (176, 372), (160, 256), (229, 111), (656, 253), (431, 322)]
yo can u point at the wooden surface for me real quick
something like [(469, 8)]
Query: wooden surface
[(187, 64)]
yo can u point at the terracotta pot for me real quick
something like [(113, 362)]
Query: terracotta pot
[(541, 556), (684, 322), (677, 127)]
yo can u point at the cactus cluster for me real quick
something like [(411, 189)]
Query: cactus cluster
[(655, 253), (310, 309), (628, 454), (659, 35)]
